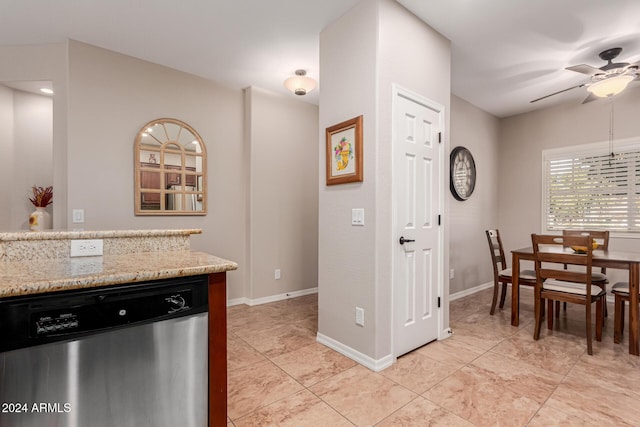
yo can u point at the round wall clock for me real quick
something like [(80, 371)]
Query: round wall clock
[(463, 173)]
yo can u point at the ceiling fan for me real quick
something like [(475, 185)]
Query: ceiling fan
[(605, 81)]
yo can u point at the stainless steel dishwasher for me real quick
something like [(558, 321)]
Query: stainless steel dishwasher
[(124, 355)]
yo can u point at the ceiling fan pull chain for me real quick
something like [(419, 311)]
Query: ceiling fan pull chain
[(611, 129)]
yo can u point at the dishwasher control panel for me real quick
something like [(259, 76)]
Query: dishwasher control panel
[(35, 320), (108, 311), (64, 322)]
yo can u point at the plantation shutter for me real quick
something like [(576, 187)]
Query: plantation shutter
[(592, 191)]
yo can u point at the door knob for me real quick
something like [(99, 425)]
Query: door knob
[(403, 240)]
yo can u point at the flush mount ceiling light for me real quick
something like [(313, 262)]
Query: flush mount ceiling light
[(300, 84), (610, 86), (46, 90)]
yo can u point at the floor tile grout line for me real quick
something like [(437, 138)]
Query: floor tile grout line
[(575, 360), (556, 388), (327, 403), (270, 359), (520, 328)]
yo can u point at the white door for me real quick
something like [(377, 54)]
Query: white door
[(418, 197)]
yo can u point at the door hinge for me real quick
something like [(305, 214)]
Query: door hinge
[(438, 302), (439, 219), (440, 137)]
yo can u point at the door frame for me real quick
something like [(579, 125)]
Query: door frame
[(397, 91)]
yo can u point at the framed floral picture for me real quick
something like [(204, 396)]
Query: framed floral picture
[(344, 152)]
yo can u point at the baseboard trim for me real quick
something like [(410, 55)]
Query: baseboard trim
[(375, 365), (470, 291), (272, 298)]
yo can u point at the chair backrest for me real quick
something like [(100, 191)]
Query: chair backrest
[(553, 250), (497, 253), (601, 237)]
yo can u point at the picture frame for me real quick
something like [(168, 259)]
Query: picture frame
[(344, 152)]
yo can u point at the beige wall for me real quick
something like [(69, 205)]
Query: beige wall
[(508, 155), (283, 195), (111, 96), (375, 44), (26, 153), (479, 131), (32, 153), (6, 157), (346, 264), (45, 62), (522, 140)]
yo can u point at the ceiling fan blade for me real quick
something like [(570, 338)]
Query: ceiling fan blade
[(590, 98), (634, 64), (555, 93), (585, 69)]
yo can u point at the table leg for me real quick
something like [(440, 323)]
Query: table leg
[(633, 309), (515, 290)]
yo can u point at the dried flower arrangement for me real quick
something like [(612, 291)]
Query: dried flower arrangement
[(42, 197)]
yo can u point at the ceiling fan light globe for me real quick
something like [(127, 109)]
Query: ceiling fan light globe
[(610, 86)]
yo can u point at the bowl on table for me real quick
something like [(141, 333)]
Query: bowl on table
[(583, 249)]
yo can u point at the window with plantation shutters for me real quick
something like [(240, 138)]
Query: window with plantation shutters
[(586, 187)]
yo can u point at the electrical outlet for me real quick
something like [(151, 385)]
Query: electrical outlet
[(277, 274), (86, 247), (452, 273), (359, 316), (357, 216)]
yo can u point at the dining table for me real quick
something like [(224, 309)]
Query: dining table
[(623, 260)]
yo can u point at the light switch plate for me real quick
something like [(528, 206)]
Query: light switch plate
[(359, 316), (357, 216), (78, 216)]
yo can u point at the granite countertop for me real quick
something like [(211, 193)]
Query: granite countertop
[(91, 234), (54, 244), (49, 275)]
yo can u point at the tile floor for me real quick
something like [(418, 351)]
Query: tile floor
[(487, 374)]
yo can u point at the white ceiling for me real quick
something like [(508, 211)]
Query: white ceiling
[(504, 52)]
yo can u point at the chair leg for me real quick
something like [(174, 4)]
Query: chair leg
[(589, 331), (495, 297), (503, 295), (539, 306), (550, 314), (618, 319), (604, 288), (599, 318), (558, 308), (622, 319)]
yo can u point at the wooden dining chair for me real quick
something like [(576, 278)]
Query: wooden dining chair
[(502, 274), (554, 283), (599, 278), (621, 293)]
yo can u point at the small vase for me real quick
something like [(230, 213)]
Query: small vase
[(39, 220)]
